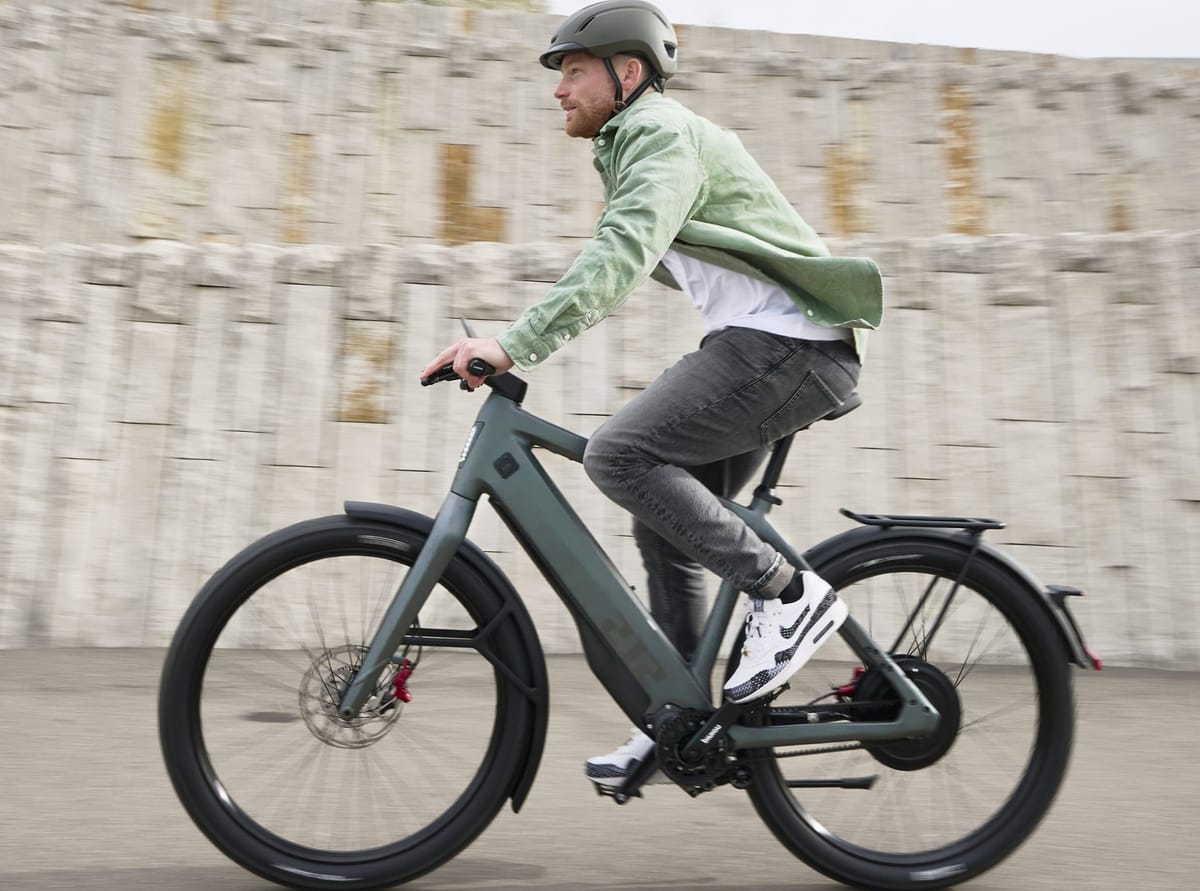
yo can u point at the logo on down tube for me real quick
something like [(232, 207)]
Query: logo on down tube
[(466, 449)]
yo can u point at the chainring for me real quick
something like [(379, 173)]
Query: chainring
[(674, 733)]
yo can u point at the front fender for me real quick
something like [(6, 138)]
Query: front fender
[(1050, 599), (537, 686)]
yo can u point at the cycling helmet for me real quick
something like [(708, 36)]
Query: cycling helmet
[(617, 26)]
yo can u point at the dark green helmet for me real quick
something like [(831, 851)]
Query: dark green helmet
[(616, 26)]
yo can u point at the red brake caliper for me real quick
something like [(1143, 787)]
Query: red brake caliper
[(846, 691), (400, 681)]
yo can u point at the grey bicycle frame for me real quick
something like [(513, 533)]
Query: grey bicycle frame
[(623, 644)]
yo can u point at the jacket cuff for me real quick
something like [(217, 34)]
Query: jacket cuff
[(525, 348)]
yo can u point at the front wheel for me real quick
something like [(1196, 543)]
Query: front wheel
[(248, 720), (950, 806)]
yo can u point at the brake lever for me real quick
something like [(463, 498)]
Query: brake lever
[(476, 366), (445, 373)]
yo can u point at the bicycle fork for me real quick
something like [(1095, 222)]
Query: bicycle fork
[(447, 535)]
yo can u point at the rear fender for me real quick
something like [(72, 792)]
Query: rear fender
[(536, 685)]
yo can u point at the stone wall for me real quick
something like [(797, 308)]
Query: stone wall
[(231, 233), (342, 122)]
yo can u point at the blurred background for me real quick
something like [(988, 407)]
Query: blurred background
[(233, 231)]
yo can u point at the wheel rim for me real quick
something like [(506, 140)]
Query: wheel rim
[(296, 776), (947, 807)]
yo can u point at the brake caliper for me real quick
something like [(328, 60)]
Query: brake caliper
[(400, 681)]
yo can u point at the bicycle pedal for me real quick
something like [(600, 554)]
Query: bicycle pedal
[(615, 793)]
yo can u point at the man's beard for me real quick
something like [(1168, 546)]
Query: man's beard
[(586, 122)]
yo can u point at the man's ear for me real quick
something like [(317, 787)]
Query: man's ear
[(632, 72)]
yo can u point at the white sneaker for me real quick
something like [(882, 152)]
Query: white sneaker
[(613, 768), (781, 637)]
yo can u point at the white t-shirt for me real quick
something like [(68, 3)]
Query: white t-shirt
[(729, 299)]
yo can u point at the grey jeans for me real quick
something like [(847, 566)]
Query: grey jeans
[(702, 429)]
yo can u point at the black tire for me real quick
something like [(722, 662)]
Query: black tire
[(261, 763), (941, 818)]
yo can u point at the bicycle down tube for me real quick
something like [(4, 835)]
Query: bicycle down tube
[(623, 645)]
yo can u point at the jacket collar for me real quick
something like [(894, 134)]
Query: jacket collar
[(650, 97)]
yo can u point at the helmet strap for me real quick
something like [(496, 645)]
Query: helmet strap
[(620, 101)]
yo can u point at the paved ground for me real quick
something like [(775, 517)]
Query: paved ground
[(86, 803)]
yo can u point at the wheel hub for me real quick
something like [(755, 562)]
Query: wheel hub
[(910, 754), (321, 691)]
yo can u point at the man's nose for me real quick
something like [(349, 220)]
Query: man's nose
[(560, 92)]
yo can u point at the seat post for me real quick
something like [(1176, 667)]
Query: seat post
[(770, 479), (766, 489)]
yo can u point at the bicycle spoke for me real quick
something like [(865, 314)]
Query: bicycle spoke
[(308, 775), (943, 622)]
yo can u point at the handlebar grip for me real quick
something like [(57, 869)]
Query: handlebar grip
[(481, 368), (476, 366)]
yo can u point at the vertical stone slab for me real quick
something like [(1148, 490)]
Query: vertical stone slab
[(168, 173), (305, 373), (24, 610), (972, 475), (356, 468), (1081, 317), (80, 542), (129, 513), (912, 408), (202, 384), (365, 371), (463, 220), (253, 374), (969, 383), (96, 371), (1032, 479), (423, 301), (150, 391), (240, 514), (292, 494), (17, 284)]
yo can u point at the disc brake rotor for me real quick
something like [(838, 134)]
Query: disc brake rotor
[(321, 690)]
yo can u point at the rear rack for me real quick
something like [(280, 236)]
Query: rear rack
[(887, 521)]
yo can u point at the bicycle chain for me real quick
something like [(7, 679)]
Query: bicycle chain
[(820, 750)]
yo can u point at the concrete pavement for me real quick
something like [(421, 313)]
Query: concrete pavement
[(86, 803)]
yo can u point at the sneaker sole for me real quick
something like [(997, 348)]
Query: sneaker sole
[(828, 624)]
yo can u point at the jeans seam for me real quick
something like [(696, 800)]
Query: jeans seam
[(645, 496)]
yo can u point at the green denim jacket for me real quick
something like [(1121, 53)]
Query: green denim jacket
[(673, 179)]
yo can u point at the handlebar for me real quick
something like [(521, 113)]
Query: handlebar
[(476, 366)]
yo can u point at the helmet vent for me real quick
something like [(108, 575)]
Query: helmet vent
[(588, 22)]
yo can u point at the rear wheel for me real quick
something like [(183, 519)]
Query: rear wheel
[(951, 805), (248, 710)]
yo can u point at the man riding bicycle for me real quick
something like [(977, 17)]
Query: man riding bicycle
[(785, 325)]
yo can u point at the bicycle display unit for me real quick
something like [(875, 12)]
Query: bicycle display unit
[(351, 700)]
